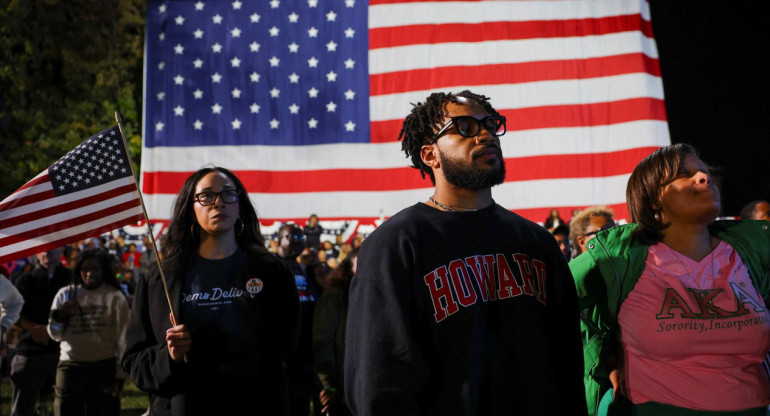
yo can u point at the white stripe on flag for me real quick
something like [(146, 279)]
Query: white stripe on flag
[(417, 13), (60, 200), (406, 58), (534, 94), (93, 225)]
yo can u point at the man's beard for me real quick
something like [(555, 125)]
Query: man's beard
[(471, 177)]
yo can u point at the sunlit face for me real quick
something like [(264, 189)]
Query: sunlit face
[(761, 211), (692, 197), (596, 224), (91, 273), (472, 163), (220, 217)]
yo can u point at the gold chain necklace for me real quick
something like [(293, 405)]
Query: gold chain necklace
[(450, 208)]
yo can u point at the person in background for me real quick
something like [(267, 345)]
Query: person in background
[(329, 324), (586, 224), (344, 249), (320, 273), (236, 309), (89, 319), (302, 386), (328, 248), (756, 210), (33, 368), (132, 259), (359, 238), (313, 231), (147, 258), (675, 303), (553, 220), (120, 246), (11, 302), (561, 234)]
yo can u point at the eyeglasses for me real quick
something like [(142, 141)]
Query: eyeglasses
[(469, 126), (229, 196), (294, 237), (598, 230)]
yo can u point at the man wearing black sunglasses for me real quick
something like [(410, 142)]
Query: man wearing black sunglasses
[(459, 306)]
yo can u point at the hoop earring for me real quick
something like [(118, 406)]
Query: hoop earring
[(243, 227)]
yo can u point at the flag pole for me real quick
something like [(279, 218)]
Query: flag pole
[(174, 318)]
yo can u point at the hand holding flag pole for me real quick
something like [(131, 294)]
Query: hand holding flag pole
[(173, 316)]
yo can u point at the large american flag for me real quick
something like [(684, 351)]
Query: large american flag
[(305, 99), (89, 191)]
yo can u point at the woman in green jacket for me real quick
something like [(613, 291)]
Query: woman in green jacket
[(673, 305)]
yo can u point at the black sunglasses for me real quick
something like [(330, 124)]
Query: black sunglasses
[(469, 126)]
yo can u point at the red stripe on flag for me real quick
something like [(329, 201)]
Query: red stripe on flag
[(575, 115), (69, 223), (516, 73), (61, 242), (60, 208), (26, 200), (397, 179), (388, 37)]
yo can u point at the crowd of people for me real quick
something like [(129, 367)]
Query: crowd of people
[(63, 336), (453, 306)]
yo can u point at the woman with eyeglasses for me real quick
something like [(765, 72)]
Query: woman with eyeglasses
[(236, 307), (674, 304)]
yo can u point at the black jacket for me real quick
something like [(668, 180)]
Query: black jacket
[(38, 291), (174, 386), (331, 316)]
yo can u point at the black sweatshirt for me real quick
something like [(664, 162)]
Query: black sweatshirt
[(471, 313)]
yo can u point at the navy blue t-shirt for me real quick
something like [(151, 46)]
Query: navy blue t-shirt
[(216, 311)]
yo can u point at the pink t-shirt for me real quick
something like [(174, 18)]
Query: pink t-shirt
[(694, 334)]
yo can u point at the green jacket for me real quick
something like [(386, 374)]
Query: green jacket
[(608, 271)]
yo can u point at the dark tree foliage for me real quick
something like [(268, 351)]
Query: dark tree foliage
[(66, 66)]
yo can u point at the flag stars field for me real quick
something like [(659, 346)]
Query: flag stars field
[(214, 38)]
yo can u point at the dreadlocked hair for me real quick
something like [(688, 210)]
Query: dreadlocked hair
[(423, 122)]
